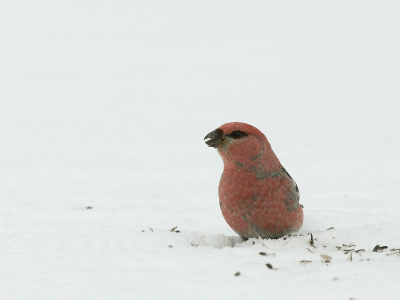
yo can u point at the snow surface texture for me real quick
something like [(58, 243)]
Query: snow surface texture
[(103, 110)]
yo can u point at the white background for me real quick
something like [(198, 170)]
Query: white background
[(106, 103)]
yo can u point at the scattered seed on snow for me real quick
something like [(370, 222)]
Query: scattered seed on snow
[(348, 250), (350, 258), (331, 228), (311, 240), (267, 254), (379, 248), (173, 228), (170, 246), (151, 229), (305, 261), (237, 274), (269, 266), (324, 256)]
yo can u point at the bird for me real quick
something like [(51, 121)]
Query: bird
[(257, 196)]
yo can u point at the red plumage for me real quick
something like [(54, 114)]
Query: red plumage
[(258, 197)]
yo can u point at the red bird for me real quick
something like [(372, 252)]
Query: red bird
[(257, 196)]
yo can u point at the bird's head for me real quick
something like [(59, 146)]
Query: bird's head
[(241, 144)]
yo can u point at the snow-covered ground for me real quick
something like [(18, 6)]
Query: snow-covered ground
[(103, 110)]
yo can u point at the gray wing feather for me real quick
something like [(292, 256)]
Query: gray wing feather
[(296, 190)]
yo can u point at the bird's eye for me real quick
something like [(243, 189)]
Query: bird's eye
[(237, 134)]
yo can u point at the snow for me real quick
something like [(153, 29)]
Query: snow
[(104, 106)]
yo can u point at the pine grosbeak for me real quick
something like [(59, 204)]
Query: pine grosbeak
[(257, 196)]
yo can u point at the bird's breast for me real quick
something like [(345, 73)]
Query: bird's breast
[(257, 190)]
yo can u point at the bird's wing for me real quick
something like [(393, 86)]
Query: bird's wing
[(296, 190)]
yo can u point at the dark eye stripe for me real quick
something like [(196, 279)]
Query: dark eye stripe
[(237, 134)]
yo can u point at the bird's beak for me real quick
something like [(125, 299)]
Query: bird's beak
[(215, 138)]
